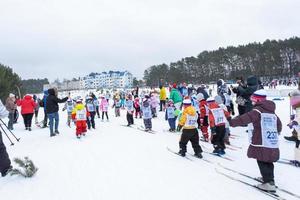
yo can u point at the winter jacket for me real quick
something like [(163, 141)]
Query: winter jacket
[(170, 112), (246, 92), (79, 107), (44, 100), (3, 111), (203, 91), (104, 105), (146, 110), (136, 104), (203, 109), (255, 151), (188, 119), (212, 117), (52, 102), (175, 96), (163, 94), (153, 102), (10, 105), (90, 105), (27, 105)]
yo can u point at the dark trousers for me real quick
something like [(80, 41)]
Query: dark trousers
[(129, 118), (91, 121), (97, 110), (148, 123), (218, 138), (105, 115), (4, 158), (162, 104), (11, 117), (192, 136), (117, 112), (172, 123), (266, 170), (45, 119), (27, 119)]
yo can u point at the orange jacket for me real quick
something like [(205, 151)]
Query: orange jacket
[(211, 118)]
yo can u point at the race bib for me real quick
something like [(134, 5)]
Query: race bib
[(90, 107), (129, 105), (269, 130), (219, 116), (70, 107), (147, 114), (191, 120), (118, 104), (81, 114), (170, 113)]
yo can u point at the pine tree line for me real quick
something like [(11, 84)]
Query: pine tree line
[(270, 59)]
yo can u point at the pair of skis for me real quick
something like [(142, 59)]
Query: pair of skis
[(140, 128)]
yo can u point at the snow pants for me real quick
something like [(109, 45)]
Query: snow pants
[(80, 127), (266, 170), (129, 117), (172, 123), (192, 136), (218, 137), (148, 123)]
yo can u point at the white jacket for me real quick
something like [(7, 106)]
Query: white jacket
[(3, 111)]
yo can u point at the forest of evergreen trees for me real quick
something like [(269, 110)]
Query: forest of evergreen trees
[(268, 60)]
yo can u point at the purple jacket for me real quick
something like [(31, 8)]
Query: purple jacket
[(259, 153), (153, 102)]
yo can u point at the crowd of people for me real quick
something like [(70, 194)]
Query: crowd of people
[(186, 108)]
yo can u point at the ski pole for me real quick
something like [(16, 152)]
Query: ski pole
[(11, 143), (18, 139)]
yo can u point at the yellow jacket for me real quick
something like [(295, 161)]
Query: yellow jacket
[(163, 94), (188, 111)]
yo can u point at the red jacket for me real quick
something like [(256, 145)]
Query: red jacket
[(27, 105), (211, 117), (203, 108)]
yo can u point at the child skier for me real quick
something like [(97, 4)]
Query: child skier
[(91, 108), (79, 116), (147, 114), (117, 106), (217, 120), (69, 106), (263, 136), (137, 107), (104, 108), (129, 107), (219, 101), (203, 119), (170, 115), (188, 123)]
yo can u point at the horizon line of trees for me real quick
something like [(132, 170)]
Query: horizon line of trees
[(270, 59)]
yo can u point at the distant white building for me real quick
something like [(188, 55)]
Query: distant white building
[(111, 79), (64, 86)]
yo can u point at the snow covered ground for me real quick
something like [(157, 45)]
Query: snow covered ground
[(117, 162)]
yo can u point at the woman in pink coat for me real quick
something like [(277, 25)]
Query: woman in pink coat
[(27, 109), (104, 107)]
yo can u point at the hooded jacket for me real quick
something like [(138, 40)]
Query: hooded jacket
[(175, 96), (52, 102), (27, 105), (10, 105), (188, 111), (259, 153)]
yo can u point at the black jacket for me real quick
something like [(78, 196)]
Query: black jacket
[(52, 102)]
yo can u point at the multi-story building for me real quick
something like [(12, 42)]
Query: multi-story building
[(111, 79)]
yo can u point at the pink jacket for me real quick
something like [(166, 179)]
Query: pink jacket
[(104, 105), (153, 102)]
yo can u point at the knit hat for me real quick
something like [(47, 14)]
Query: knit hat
[(200, 96), (218, 99), (210, 100), (11, 95), (79, 101), (187, 102), (174, 85), (259, 95)]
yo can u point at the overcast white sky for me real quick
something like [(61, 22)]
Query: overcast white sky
[(71, 38)]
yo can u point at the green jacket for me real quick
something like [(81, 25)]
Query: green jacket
[(175, 96)]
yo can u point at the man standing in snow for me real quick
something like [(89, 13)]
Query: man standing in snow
[(5, 166), (52, 109), (263, 136)]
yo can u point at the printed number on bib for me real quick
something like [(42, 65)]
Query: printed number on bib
[(219, 116), (81, 115), (191, 120), (269, 130)]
